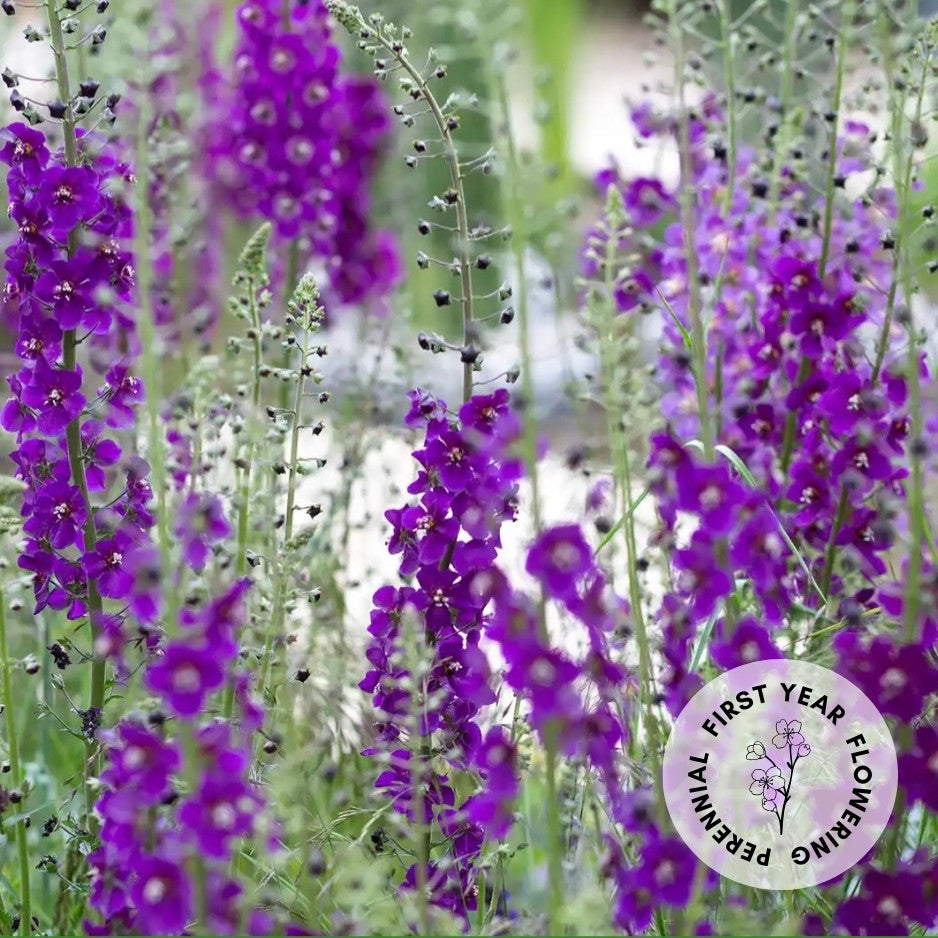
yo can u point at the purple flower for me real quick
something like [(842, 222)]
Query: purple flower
[(200, 522), (749, 641), (701, 576), (559, 557), (413, 787), (108, 565), (58, 514), (185, 675), (221, 809), (162, 896), (70, 195), (55, 395), (100, 453), (918, 767), (122, 392), (63, 288), (492, 808), (141, 760), (24, 151)]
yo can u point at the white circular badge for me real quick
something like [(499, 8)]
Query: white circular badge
[(780, 774)]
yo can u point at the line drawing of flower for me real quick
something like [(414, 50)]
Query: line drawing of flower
[(769, 784)]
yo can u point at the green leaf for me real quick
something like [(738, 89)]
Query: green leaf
[(618, 525), (705, 638), (685, 335)]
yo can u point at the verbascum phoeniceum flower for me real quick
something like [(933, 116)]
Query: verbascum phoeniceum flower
[(70, 283), (431, 681), (793, 512), (805, 384), (293, 139)]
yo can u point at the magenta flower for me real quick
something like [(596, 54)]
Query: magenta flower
[(54, 394), (222, 808), (70, 194), (24, 150), (185, 675), (200, 522), (162, 896), (559, 557), (492, 808), (139, 758), (108, 564)]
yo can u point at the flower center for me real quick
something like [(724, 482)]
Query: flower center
[(543, 672), (315, 92), (263, 113), (55, 396), (894, 678), (565, 555), (134, 757), (710, 497), (186, 678), (223, 816), (64, 194), (62, 510), (300, 150), (282, 61), (889, 907), (155, 890)]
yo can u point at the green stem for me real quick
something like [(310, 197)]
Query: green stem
[(728, 37), (903, 275), (688, 215), (904, 184), (516, 217), (151, 353), (610, 341), (278, 615), (842, 52), (244, 479), (196, 861), (16, 771), (451, 155), (73, 431), (829, 198), (781, 142), (289, 285), (244, 489), (843, 508)]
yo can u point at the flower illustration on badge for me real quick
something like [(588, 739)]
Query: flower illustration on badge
[(770, 782)]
